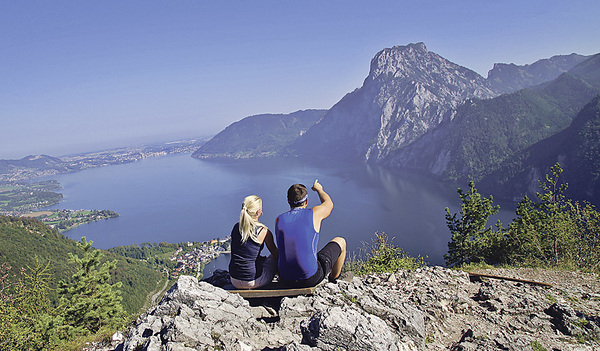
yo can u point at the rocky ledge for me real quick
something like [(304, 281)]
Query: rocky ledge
[(432, 308)]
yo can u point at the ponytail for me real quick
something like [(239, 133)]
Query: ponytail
[(249, 216)]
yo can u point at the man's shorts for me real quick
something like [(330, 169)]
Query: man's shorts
[(326, 258)]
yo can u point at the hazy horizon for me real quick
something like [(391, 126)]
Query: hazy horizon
[(81, 76)]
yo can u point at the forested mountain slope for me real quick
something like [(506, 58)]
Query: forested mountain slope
[(577, 149), (259, 136), (23, 239)]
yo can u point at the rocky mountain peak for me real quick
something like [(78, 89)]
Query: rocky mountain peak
[(414, 63), (409, 91), (399, 60)]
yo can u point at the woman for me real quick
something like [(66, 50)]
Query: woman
[(248, 270)]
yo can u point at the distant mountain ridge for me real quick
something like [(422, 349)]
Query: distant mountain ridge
[(32, 162), (259, 136), (35, 166), (508, 78)]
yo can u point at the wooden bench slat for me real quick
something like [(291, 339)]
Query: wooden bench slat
[(272, 290)]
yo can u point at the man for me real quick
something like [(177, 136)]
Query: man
[(297, 233)]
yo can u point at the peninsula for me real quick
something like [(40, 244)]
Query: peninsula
[(63, 220)]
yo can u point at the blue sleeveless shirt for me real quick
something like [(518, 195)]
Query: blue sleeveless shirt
[(244, 264), (297, 243)]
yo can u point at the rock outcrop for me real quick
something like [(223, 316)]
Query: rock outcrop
[(432, 308)]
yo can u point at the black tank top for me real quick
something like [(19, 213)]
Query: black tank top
[(244, 264)]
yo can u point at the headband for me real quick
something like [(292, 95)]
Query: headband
[(300, 201)]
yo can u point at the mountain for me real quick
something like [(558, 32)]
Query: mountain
[(33, 162), (576, 148), (259, 136), (23, 239), (409, 96), (418, 110), (508, 78), (409, 91), (485, 133)]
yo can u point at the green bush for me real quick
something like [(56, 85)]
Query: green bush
[(383, 256), (28, 319)]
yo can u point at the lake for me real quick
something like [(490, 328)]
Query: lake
[(178, 198)]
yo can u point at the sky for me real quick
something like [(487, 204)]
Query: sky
[(79, 76)]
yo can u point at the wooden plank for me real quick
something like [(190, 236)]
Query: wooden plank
[(508, 278), (273, 290)]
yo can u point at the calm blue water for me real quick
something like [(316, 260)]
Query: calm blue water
[(178, 198)]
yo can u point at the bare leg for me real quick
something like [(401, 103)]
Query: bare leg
[(336, 270)]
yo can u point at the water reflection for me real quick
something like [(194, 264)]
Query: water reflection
[(178, 198)]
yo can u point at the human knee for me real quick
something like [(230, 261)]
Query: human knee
[(340, 241)]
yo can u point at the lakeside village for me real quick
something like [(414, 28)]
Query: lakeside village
[(188, 258), (191, 258)]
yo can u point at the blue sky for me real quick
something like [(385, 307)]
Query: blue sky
[(85, 75)]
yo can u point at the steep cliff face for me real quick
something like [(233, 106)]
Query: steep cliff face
[(409, 91), (418, 110)]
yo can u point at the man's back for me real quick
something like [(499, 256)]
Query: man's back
[(297, 243), (297, 233)]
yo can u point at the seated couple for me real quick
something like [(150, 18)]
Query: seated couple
[(297, 234)]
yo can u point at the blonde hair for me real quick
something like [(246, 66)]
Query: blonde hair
[(249, 216)]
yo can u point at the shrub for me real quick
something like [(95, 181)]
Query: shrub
[(382, 256)]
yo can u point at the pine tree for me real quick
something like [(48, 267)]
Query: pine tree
[(28, 319), (472, 241), (91, 301), (553, 230)]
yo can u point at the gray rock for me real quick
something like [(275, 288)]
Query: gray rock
[(347, 329), (432, 308)]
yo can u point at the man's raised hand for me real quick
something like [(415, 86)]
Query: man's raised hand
[(317, 186)]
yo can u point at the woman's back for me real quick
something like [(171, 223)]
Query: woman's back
[(244, 264)]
